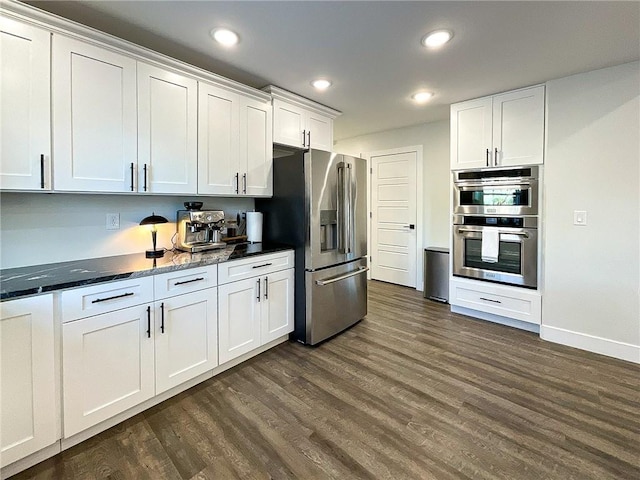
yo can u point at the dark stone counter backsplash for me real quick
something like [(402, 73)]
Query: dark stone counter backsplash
[(33, 280)]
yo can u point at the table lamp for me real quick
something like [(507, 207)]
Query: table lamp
[(153, 220)]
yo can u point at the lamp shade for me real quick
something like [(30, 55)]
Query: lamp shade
[(153, 219)]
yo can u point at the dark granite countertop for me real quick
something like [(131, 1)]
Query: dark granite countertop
[(25, 281)]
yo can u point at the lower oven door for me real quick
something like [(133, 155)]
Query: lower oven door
[(517, 255)]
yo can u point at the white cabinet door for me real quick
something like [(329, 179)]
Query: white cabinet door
[(518, 127), (320, 132), (94, 117), (238, 318), (25, 86), (289, 124), (107, 364), (256, 148), (186, 336), (29, 413), (277, 305), (218, 140), (167, 131), (471, 127)]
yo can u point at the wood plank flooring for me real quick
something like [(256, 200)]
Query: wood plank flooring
[(411, 392)]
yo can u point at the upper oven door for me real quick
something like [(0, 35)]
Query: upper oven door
[(517, 255), (518, 197)]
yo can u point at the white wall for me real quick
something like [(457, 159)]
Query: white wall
[(591, 296), (37, 228), (434, 137)]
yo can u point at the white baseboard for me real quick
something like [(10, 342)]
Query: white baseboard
[(591, 343), (509, 322)]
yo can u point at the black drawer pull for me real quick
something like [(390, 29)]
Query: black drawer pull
[(189, 281), (490, 300), (162, 317), (260, 266), (98, 300), (148, 322)]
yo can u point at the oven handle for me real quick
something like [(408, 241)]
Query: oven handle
[(469, 230), (492, 183)]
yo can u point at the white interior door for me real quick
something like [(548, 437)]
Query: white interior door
[(393, 220)]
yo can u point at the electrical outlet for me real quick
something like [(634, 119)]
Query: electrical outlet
[(113, 221)]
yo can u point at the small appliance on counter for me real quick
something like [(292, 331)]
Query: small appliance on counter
[(199, 230)]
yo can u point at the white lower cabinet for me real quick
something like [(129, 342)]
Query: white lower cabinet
[(28, 417), (107, 365), (277, 305), (186, 337), (510, 302), (256, 310)]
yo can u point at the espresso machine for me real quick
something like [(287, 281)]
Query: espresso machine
[(199, 230)]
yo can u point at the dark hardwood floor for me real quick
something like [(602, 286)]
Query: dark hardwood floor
[(411, 392)]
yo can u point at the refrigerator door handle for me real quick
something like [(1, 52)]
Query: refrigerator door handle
[(349, 211), (340, 208), (342, 277)]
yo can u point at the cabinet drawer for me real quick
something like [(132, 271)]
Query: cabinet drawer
[(105, 297), (184, 281), (508, 302), (250, 267)]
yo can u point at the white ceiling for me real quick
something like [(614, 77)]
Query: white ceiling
[(371, 50)]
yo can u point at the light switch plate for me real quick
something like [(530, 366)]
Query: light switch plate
[(113, 221), (579, 217)]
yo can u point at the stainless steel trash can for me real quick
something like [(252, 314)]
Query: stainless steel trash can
[(436, 274)]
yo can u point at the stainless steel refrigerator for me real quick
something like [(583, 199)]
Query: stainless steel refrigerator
[(319, 206)]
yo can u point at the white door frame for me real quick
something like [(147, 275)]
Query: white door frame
[(420, 222)]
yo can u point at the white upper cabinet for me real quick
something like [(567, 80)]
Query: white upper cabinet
[(167, 131), (518, 127), (94, 118), (501, 130), (301, 123), (256, 147), (471, 133), (235, 150), (25, 143)]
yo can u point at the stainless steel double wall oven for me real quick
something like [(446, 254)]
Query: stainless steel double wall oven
[(501, 204)]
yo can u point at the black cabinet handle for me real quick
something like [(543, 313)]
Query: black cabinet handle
[(258, 297), (237, 183), (304, 137), (490, 300), (260, 266), (244, 183), (189, 281), (98, 300), (132, 176), (495, 158), (309, 139), (162, 317), (487, 157), (148, 322), (145, 177), (42, 171), (266, 288)]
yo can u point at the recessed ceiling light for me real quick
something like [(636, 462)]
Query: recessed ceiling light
[(321, 84), (421, 97), (224, 36), (437, 39)]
